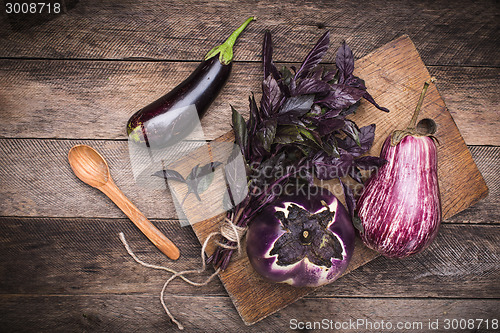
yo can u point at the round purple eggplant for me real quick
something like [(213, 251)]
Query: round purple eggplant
[(400, 208), (305, 239)]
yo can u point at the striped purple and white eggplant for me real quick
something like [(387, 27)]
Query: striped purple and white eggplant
[(400, 208), (305, 239)]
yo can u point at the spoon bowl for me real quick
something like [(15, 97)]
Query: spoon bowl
[(88, 165), (91, 168)]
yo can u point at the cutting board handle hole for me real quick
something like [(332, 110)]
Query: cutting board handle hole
[(426, 126)]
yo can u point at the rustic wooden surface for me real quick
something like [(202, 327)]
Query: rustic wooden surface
[(77, 77)]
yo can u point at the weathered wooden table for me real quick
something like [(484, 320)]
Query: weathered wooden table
[(77, 76)]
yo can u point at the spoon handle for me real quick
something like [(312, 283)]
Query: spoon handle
[(164, 244)]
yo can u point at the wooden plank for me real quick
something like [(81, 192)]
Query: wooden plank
[(47, 256), (397, 72), (470, 94), (44, 184), (56, 99), (130, 313), (485, 211), (173, 30), (37, 181), (86, 256), (451, 262)]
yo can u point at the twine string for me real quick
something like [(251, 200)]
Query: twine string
[(228, 230), (232, 233)]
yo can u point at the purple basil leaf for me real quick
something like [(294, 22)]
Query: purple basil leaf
[(329, 125), (292, 86), (332, 113), (254, 116), (330, 146), (286, 75), (267, 53), (289, 118), (351, 129), (268, 170), (329, 167), (314, 57), (366, 136), (311, 86), (268, 64), (271, 96), (306, 173), (356, 82), (370, 99), (170, 175), (312, 136), (208, 169), (358, 224), (368, 162), (344, 62), (267, 133), (350, 110), (200, 178), (355, 174), (349, 199), (298, 105), (234, 171), (329, 76), (341, 96), (194, 173), (240, 130), (287, 134), (317, 74), (257, 151)]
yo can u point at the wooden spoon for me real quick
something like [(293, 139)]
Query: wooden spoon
[(91, 168)]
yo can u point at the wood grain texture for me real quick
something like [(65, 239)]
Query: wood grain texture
[(80, 75), (37, 181), (34, 171), (485, 211), (47, 256), (398, 73), (132, 313), (56, 99), (471, 96), (173, 30)]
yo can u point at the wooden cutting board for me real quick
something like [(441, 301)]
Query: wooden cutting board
[(394, 75)]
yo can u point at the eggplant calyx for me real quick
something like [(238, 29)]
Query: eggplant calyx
[(308, 237), (137, 134), (225, 50), (399, 135)]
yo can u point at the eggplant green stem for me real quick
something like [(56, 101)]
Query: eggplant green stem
[(413, 121), (399, 135), (225, 51)]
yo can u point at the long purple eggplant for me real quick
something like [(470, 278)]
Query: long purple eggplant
[(400, 208), (173, 116)]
